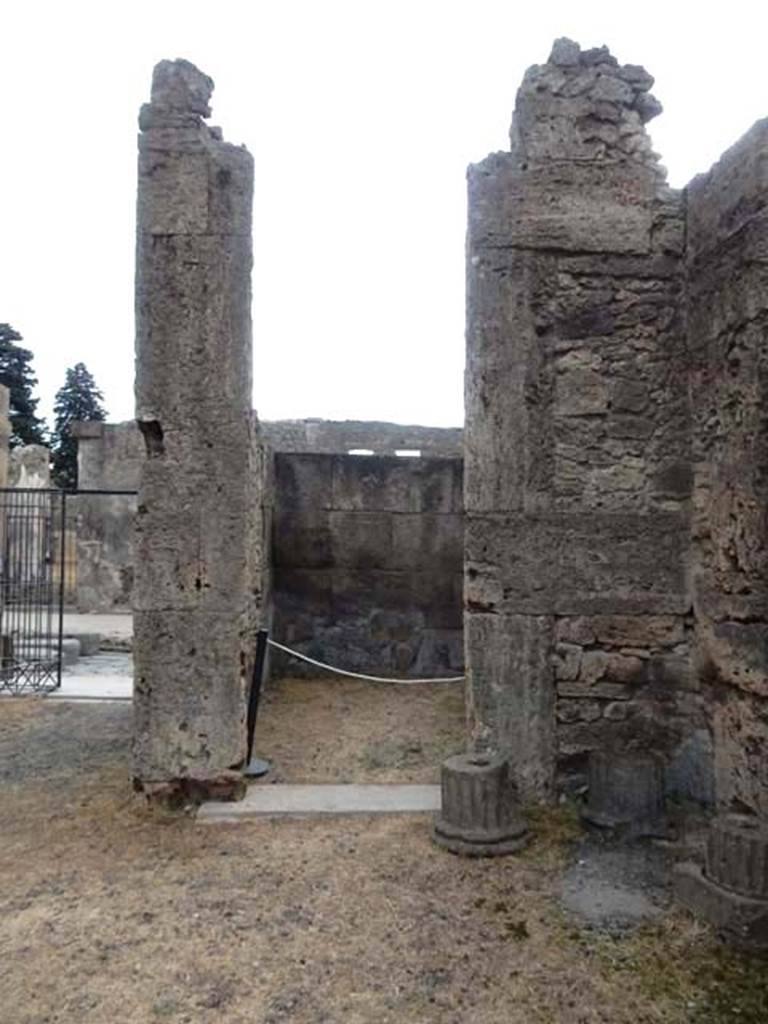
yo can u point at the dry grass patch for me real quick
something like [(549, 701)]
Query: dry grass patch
[(112, 914)]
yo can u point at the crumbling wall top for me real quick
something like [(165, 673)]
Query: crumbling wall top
[(584, 105), (180, 100), (179, 85), (341, 436)]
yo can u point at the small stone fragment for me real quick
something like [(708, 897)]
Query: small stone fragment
[(648, 107), (565, 53)]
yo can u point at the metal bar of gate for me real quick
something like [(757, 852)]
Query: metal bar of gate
[(62, 581)]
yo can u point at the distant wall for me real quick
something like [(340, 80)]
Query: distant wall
[(339, 436), (367, 555), (108, 458)]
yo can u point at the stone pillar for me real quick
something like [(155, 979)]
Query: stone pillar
[(196, 587), (576, 446)]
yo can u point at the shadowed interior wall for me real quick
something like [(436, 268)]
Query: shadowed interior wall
[(367, 556)]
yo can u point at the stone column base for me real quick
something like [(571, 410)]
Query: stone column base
[(741, 921), (480, 813)]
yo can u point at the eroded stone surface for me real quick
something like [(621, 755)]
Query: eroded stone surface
[(727, 262), (577, 438), (197, 555)]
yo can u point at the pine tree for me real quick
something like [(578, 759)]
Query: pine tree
[(16, 374), (78, 399)]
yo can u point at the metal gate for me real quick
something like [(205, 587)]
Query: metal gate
[(32, 580)]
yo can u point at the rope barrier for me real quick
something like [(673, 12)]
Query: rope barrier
[(358, 675)]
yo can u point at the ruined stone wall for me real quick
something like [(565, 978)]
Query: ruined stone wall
[(340, 436), (728, 339), (577, 436), (110, 457), (368, 561)]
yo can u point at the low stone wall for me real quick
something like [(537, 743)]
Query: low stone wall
[(367, 556), (341, 436)]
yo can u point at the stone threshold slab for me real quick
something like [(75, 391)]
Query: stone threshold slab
[(296, 800), (90, 688), (93, 687)]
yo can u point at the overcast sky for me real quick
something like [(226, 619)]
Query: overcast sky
[(362, 117)]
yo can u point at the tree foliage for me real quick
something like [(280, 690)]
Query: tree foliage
[(16, 374), (78, 399)]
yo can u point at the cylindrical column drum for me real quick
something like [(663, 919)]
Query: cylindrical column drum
[(480, 814), (737, 855), (626, 791)]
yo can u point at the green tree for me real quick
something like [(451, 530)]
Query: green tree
[(16, 374), (78, 399)]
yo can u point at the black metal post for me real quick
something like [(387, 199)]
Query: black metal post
[(62, 584), (256, 766)]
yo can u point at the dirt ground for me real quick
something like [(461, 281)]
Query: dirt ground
[(344, 730), (112, 914)]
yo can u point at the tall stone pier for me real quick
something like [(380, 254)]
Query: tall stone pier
[(196, 587), (577, 437)]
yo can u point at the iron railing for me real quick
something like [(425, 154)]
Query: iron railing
[(32, 579)]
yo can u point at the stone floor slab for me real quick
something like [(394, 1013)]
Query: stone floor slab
[(93, 687), (286, 799)]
